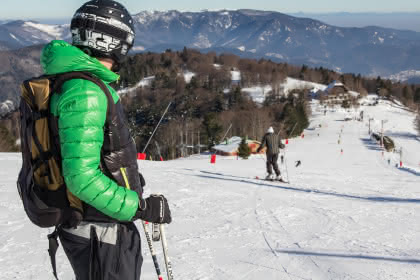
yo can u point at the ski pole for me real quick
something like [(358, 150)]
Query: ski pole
[(165, 253), (285, 164), (152, 250), (262, 158), (146, 230)]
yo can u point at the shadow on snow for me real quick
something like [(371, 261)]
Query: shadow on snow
[(278, 186), (409, 170), (371, 144), (349, 256)]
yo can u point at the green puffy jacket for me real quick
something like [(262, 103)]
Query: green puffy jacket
[(81, 110)]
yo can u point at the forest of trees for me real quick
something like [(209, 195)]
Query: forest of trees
[(211, 106), (203, 109)]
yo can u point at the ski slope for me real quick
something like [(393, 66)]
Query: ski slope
[(349, 215)]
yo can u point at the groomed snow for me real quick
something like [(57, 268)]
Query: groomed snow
[(236, 75), (259, 93), (343, 216), (188, 75), (146, 81)]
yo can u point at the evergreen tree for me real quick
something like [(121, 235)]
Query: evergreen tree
[(345, 104), (218, 103), (417, 96), (244, 151), (212, 129), (235, 98)]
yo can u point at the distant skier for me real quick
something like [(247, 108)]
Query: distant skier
[(298, 163), (273, 143)]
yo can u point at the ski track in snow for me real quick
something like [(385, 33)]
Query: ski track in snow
[(342, 217)]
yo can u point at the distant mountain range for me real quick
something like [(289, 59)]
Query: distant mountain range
[(18, 34), (255, 34), (248, 33), (396, 20), (409, 77), (16, 66), (369, 50)]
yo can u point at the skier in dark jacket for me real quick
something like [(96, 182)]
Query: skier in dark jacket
[(99, 163), (273, 143)]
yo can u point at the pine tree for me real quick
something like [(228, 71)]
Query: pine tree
[(417, 96), (211, 129), (244, 151)]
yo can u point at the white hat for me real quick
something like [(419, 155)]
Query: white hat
[(270, 130)]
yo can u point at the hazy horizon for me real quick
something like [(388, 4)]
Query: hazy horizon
[(65, 9), (396, 20)]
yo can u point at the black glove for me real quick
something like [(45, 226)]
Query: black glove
[(154, 209), (282, 146), (71, 217)]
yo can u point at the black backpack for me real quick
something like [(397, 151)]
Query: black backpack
[(40, 183)]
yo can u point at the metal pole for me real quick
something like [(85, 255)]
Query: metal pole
[(152, 250), (165, 253), (199, 143), (192, 142), (382, 133), (401, 152), (182, 143), (293, 130), (167, 108), (158, 149), (227, 132), (186, 140)]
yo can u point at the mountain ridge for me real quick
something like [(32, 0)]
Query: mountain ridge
[(370, 50)]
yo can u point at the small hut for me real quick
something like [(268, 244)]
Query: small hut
[(230, 146)]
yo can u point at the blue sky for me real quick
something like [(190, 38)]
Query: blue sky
[(30, 9)]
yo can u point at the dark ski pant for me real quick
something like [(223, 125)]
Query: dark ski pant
[(272, 164), (103, 251)]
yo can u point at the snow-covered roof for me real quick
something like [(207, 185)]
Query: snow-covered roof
[(231, 145), (335, 84)]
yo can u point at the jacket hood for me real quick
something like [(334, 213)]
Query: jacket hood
[(60, 57)]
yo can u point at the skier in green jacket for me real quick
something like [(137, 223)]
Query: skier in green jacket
[(99, 162)]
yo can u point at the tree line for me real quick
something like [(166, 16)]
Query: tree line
[(203, 109)]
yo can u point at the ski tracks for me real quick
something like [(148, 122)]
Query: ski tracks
[(272, 229)]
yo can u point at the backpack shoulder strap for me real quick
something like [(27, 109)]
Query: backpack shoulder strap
[(62, 78), (111, 109)]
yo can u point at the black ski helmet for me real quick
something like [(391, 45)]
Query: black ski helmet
[(103, 28)]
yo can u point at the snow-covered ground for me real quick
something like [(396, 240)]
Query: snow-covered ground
[(347, 215), (146, 81), (236, 75), (291, 84), (188, 75), (6, 107), (259, 93)]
